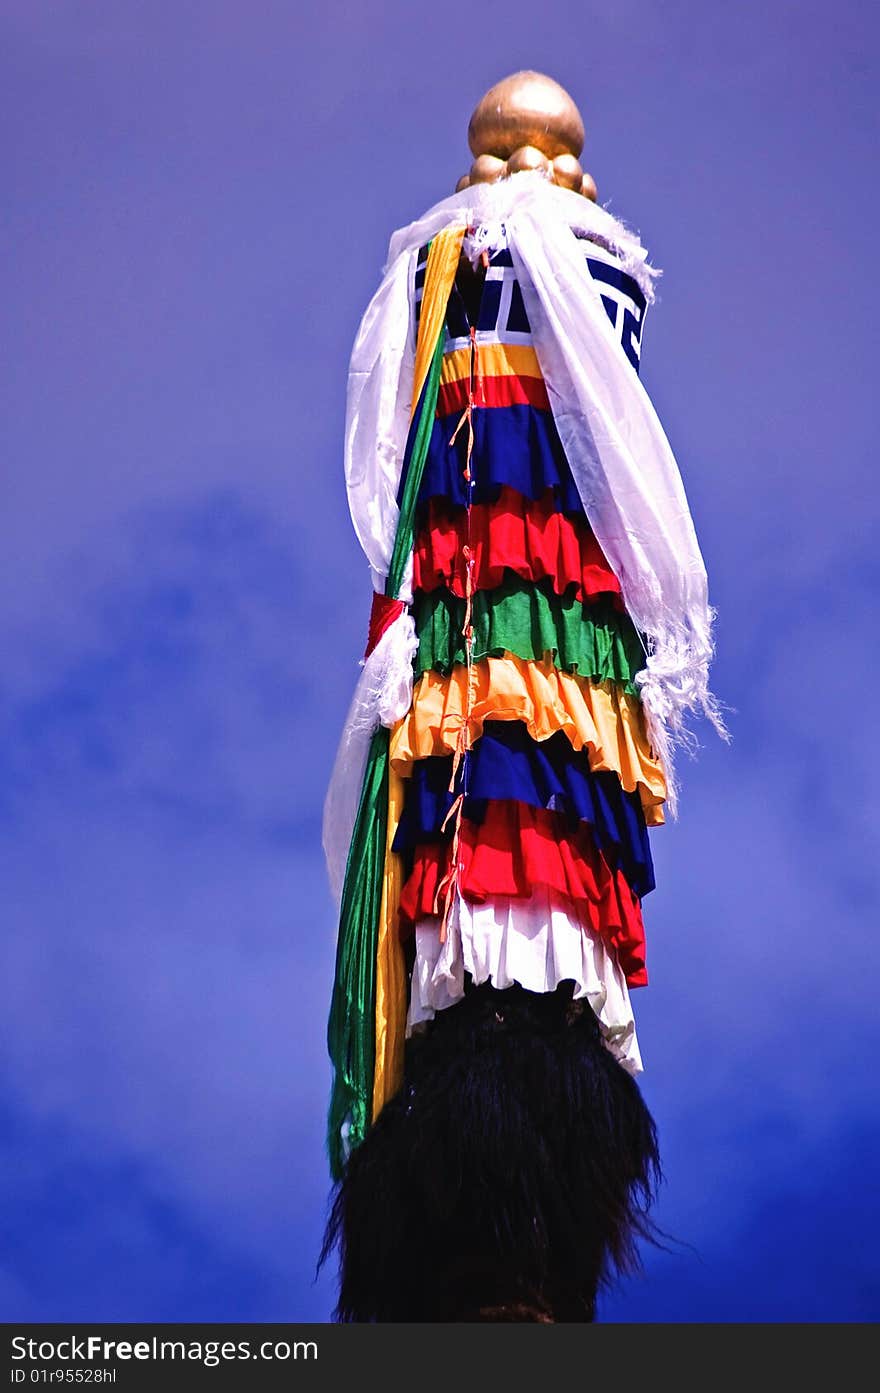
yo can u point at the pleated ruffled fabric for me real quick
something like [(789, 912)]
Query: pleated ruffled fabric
[(529, 537), (594, 716), (523, 770), (537, 944), (532, 622), (529, 777), (505, 763), (513, 851), (514, 446)]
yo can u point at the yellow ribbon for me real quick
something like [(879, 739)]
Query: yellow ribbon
[(443, 258)]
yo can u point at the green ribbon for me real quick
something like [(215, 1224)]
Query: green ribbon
[(351, 1030), (406, 523)]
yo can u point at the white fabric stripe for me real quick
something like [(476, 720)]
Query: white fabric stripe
[(484, 336), (504, 304), (530, 942), (619, 297)]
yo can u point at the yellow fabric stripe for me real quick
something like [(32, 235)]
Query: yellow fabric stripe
[(390, 967), (493, 360), (597, 717), (390, 1018), (440, 272)]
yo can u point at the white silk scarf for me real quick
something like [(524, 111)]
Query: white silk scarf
[(620, 459)]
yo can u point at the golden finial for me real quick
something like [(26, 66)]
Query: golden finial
[(527, 121)]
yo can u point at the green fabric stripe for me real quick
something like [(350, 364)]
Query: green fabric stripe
[(351, 1029), (522, 617), (403, 541)]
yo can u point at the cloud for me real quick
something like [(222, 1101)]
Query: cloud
[(169, 936), (201, 209), (94, 1233)]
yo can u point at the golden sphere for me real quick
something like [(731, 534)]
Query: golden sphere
[(526, 108), (588, 188), (486, 169), (463, 183), (567, 172), (526, 157)]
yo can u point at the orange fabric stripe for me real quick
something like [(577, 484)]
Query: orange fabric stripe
[(596, 716), (493, 360)]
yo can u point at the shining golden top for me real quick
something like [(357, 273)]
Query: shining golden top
[(527, 121), (526, 109)]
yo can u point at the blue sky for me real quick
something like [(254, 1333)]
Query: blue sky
[(197, 204)]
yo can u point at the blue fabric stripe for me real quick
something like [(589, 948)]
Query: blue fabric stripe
[(517, 446), (506, 763), (611, 275), (517, 319)]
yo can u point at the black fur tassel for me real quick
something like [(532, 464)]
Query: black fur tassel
[(510, 1177)]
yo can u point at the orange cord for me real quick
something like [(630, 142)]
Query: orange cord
[(446, 888)]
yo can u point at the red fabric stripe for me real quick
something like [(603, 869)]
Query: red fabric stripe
[(382, 616), (493, 391), (517, 848), (530, 538)]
